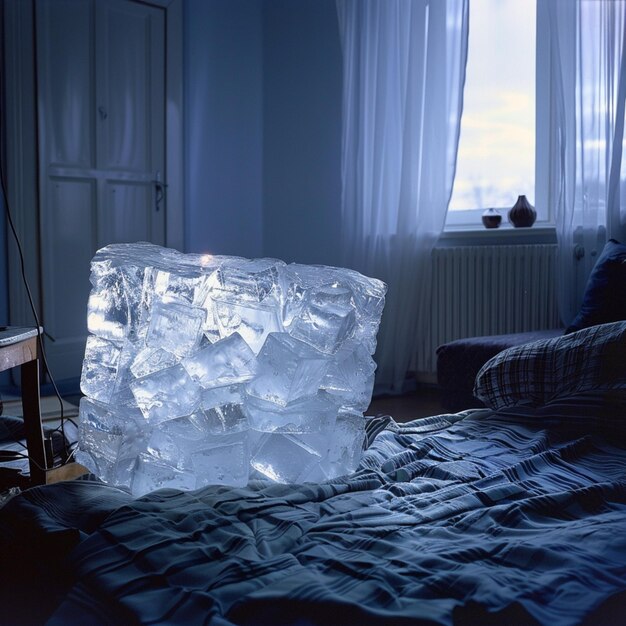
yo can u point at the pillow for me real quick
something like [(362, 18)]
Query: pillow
[(542, 371), (605, 294)]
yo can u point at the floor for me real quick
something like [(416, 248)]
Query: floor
[(420, 403)]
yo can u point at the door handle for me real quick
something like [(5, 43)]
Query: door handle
[(159, 188)]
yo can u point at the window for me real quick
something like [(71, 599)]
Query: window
[(496, 157)]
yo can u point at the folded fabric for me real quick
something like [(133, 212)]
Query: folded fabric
[(539, 372), (604, 300)]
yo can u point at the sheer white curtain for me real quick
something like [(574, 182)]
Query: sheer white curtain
[(404, 69), (587, 181)]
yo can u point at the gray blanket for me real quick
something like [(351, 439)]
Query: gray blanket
[(475, 518)]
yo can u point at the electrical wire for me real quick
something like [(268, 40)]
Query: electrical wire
[(8, 455), (40, 343), (14, 455)]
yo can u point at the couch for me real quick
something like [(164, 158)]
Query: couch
[(604, 301)]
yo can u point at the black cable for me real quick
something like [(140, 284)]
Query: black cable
[(14, 455), (40, 343), (7, 455), (10, 455)]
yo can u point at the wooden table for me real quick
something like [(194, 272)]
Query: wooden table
[(19, 348)]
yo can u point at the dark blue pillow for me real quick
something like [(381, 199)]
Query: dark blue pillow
[(605, 295)]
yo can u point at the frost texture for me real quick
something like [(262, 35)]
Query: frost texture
[(211, 369)]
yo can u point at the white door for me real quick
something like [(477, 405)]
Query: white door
[(101, 135)]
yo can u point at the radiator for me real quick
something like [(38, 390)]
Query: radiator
[(487, 290)]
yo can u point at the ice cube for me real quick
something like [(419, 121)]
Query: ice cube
[(283, 458), (100, 368), (166, 394), (226, 362), (172, 442), (298, 280), (248, 280), (175, 327), (162, 447), (109, 441), (252, 321), (186, 288), (122, 395), (211, 328), (346, 445), (114, 302), (145, 300), (289, 369), (350, 377), (222, 411), (149, 360), (225, 461), (185, 431), (326, 319), (307, 415), (152, 474), (369, 300)]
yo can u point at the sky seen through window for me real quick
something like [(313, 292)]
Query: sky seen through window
[(496, 157)]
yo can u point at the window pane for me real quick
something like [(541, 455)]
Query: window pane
[(496, 160)]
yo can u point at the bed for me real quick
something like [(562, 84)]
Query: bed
[(512, 514)]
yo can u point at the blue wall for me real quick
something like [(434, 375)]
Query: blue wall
[(262, 81), (302, 73), (263, 128), (223, 126)]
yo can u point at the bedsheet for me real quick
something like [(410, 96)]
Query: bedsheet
[(517, 516)]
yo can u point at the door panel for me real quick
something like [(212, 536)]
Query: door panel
[(66, 79), (71, 229), (129, 72), (129, 212), (101, 71)]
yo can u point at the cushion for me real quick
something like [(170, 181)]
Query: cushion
[(605, 294), (539, 372), (460, 360)]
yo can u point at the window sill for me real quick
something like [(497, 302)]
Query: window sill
[(504, 235)]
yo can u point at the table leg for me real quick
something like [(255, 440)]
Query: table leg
[(32, 422)]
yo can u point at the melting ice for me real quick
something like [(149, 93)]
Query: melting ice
[(211, 370)]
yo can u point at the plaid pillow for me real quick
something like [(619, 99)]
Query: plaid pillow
[(537, 373)]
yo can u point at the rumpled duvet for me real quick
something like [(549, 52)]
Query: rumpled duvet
[(482, 517)]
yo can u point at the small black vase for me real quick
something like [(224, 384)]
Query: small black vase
[(522, 214), (491, 218)]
